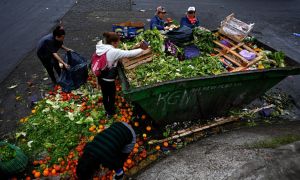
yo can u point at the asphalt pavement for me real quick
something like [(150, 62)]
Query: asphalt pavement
[(275, 21), (22, 24)]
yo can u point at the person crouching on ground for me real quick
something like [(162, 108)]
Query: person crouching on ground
[(157, 22), (107, 78), (190, 20), (47, 52), (110, 148)]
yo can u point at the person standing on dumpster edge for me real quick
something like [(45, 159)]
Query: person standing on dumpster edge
[(47, 52), (107, 78), (110, 148), (157, 21)]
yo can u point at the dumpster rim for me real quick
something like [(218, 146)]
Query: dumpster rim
[(130, 89)]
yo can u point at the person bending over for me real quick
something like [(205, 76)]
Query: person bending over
[(110, 148)]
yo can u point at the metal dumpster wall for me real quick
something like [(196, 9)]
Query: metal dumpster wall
[(204, 97)]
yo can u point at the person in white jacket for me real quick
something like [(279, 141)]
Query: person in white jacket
[(107, 78)]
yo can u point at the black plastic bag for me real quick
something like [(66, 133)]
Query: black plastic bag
[(73, 78), (180, 36)]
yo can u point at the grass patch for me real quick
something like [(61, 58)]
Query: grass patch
[(276, 142)]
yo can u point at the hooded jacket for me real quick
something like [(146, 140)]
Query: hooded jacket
[(114, 54)]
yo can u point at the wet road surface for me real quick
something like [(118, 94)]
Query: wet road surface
[(22, 23)]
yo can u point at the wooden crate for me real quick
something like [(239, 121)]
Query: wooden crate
[(131, 63), (235, 61)]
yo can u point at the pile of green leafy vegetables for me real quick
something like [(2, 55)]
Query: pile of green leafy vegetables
[(164, 68), (7, 153), (153, 37), (204, 40), (273, 59)]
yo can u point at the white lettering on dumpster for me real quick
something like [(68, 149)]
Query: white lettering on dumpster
[(182, 98)]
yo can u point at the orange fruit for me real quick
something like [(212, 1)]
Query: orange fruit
[(91, 138), (37, 174), (135, 150), (148, 128), (136, 124), (157, 147), (53, 172), (46, 173), (143, 117), (33, 111), (129, 161), (62, 163), (166, 144), (92, 128), (101, 126)]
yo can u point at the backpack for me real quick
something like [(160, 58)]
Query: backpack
[(99, 63)]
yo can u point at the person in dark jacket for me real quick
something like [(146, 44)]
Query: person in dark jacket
[(190, 20), (110, 148), (158, 20), (47, 52)]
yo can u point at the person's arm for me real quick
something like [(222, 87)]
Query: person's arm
[(59, 59), (65, 48), (156, 24), (119, 54), (50, 47)]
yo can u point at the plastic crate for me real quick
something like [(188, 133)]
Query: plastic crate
[(128, 30), (235, 29)]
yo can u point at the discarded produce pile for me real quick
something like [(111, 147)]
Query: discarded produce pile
[(54, 135), (218, 54)]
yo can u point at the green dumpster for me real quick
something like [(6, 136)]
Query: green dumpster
[(205, 97)]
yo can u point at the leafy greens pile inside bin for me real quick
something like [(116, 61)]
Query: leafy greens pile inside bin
[(168, 66)]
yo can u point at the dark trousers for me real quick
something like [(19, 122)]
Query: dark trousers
[(49, 63), (109, 95), (88, 165)]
